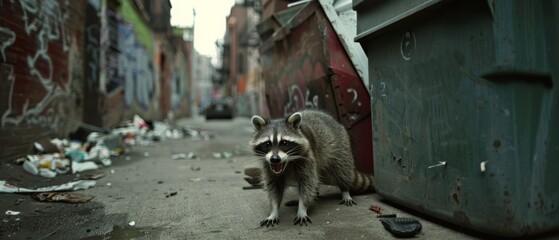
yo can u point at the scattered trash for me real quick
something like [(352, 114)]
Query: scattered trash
[(170, 194), (71, 186), (106, 162), (133, 223), (12, 213), (109, 184), (46, 165), (227, 154), (62, 197), (76, 155), (401, 227), (219, 155), (83, 166), (179, 156), (375, 208), (91, 147), (46, 145), (195, 168), (159, 182), (20, 200), (238, 172), (94, 176), (188, 156), (195, 179), (112, 171)]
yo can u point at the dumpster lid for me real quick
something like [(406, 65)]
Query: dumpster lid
[(414, 12)]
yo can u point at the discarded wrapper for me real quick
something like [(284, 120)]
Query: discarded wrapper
[(71, 186), (62, 197), (179, 156), (219, 155), (375, 208), (83, 166), (94, 176), (12, 213)]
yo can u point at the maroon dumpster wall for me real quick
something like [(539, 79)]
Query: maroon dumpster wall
[(305, 66)]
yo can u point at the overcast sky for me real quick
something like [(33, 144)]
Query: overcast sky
[(210, 21)]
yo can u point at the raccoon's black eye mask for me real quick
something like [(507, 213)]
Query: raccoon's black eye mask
[(287, 145), (263, 147)]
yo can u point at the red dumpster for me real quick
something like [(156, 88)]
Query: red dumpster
[(305, 66)]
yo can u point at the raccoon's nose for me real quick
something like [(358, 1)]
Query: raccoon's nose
[(275, 159)]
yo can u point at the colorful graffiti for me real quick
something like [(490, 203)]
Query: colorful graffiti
[(300, 87), (63, 63), (43, 34), (135, 68), (7, 38), (92, 54)]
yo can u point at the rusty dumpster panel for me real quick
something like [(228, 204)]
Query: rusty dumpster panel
[(305, 66)]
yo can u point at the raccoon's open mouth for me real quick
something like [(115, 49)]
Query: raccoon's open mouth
[(277, 168)]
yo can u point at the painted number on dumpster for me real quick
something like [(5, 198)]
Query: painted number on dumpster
[(383, 89)]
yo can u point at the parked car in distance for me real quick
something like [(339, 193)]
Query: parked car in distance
[(219, 109)]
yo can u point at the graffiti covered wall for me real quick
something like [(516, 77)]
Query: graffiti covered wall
[(135, 66), (41, 71), (98, 62)]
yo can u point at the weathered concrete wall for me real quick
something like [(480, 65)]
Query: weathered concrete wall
[(97, 62)]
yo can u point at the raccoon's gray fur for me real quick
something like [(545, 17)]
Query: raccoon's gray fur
[(307, 148)]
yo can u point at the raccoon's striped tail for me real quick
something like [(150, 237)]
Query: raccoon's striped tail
[(362, 183)]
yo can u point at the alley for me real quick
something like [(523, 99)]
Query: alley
[(148, 194), (451, 106)]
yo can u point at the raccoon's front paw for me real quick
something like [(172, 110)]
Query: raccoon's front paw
[(269, 222), (348, 202), (302, 220)]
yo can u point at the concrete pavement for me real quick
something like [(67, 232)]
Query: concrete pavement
[(200, 198)]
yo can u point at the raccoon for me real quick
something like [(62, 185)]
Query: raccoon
[(306, 149)]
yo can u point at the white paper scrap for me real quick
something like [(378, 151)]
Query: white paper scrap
[(71, 186)]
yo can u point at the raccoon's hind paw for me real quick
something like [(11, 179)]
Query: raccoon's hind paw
[(302, 220), (269, 222), (348, 202)]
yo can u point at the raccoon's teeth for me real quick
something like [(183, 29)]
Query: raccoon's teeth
[(277, 167)]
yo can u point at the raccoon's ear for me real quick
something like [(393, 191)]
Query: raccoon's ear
[(258, 122), (295, 120)]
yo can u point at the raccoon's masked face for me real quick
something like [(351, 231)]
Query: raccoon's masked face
[(278, 141)]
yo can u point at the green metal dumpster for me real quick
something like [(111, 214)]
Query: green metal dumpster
[(465, 109)]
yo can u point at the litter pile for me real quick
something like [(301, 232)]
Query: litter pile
[(90, 148), (87, 150)]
